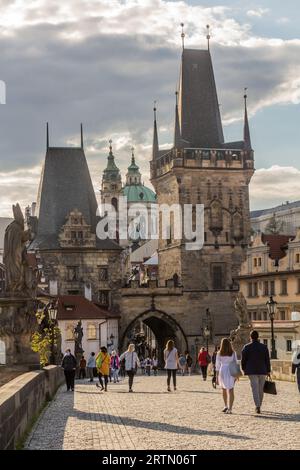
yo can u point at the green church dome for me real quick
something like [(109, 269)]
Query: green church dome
[(139, 193)]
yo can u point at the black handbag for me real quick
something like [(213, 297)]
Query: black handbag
[(270, 387)]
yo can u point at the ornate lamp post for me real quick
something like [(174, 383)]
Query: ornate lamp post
[(52, 313), (207, 328), (272, 307)]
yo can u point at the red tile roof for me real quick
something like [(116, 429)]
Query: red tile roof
[(77, 307), (277, 243)]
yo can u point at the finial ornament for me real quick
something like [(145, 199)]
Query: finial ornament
[(208, 36), (182, 34), (110, 146), (245, 93), (154, 109)]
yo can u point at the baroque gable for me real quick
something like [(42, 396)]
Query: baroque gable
[(76, 232)]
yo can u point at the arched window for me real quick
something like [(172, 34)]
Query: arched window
[(91, 331), (69, 332)]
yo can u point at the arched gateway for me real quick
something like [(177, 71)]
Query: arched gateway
[(163, 327)]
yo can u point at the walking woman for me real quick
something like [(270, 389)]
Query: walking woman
[(204, 360), (225, 356), (131, 364), (296, 366), (115, 366), (103, 363), (171, 363)]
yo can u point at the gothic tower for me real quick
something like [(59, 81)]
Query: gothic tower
[(111, 181), (201, 168)]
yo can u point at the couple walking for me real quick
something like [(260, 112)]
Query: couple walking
[(106, 364), (255, 363)]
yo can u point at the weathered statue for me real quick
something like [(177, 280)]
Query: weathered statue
[(241, 311), (240, 336), (20, 277), (78, 334)]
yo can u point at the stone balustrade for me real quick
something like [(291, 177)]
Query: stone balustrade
[(22, 399)]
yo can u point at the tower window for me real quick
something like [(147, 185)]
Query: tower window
[(103, 273), (218, 276), (104, 298)]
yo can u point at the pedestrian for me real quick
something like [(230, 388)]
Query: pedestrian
[(213, 361), (171, 363), (256, 364), (102, 363), (296, 365), (115, 366), (69, 365), (189, 362), (82, 368), (131, 364), (148, 364), (224, 357), (122, 371), (91, 366), (154, 365), (142, 362), (204, 360), (182, 363)]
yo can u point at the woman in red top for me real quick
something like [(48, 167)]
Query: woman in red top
[(203, 359)]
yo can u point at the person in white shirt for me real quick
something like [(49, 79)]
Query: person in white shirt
[(225, 356), (131, 363), (171, 363)]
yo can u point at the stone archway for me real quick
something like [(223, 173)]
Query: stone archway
[(163, 326)]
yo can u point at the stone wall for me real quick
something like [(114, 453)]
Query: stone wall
[(22, 399), (282, 370)]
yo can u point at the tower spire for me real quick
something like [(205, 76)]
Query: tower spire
[(132, 156), (182, 35), (81, 136), (47, 136), (208, 36), (247, 139), (177, 133), (155, 146)]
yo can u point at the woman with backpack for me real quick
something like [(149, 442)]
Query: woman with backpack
[(204, 359), (131, 364), (171, 363), (103, 364), (224, 358)]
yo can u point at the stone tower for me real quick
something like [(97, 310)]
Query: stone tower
[(111, 181), (201, 168)]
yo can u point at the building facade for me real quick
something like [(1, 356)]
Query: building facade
[(272, 268), (287, 217)]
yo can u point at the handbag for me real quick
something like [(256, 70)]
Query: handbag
[(270, 387), (234, 369)]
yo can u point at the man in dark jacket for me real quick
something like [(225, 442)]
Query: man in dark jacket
[(256, 364), (69, 365)]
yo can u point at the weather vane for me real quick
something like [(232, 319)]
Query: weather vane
[(208, 35), (182, 34)]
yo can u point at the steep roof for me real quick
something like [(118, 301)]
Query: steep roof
[(272, 210), (277, 244), (199, 113), (65, 185), (77, 307)]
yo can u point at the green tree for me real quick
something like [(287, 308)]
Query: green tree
[(273, 227), (41, 341)]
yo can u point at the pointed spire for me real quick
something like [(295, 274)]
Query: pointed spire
[(177, 134), (81, 136), (247, 139), (110, 147), (208, 36), (47, 136), (182, 35), (155, 146), (132, 156)]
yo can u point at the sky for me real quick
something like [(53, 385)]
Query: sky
[(104, 62)]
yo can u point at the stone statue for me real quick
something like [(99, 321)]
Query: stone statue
[(240, 336), (21, 280), (78, 334), (241, 311)]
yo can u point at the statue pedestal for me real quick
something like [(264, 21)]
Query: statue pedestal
[(239, 337), (17, 323)]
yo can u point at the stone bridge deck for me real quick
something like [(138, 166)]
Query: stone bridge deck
[(151, 418)]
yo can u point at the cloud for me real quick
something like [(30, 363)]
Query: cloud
[(258, 13), (272, 186), (283, 20)]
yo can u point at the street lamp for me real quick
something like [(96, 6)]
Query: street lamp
[(206, 335), (272, 306), (52, 313)]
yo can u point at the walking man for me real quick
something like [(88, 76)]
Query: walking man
[(256, 364), (69, 365)]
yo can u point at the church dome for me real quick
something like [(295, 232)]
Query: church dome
[(139, 193)]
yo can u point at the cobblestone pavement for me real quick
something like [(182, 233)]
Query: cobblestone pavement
[(152, 418)]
